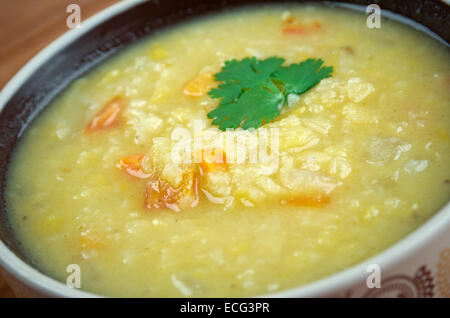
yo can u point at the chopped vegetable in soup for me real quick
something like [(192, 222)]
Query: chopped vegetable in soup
[(240, 154)]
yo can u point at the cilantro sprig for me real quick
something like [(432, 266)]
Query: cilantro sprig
[(253, 91)]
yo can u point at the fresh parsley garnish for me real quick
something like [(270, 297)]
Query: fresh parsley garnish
[(253, 91)]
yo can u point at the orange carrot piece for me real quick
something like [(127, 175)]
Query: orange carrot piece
[(296, 28), (132, 166), (107, 117)]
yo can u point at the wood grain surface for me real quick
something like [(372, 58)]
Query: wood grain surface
[(26, 27), (5, 291)]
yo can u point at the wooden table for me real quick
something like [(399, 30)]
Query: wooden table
[(27, 26), (5, 291)]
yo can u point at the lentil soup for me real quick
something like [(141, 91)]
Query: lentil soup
[(362, 159)]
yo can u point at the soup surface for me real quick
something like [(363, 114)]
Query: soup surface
[(357, 162)]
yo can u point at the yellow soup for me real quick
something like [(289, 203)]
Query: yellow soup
[(356, 163)]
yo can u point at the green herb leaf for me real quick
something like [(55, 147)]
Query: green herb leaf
[(253, 91), (298, 78)]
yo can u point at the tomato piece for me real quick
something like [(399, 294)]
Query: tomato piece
[(132, 166), (107, 117), (161, 194)]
